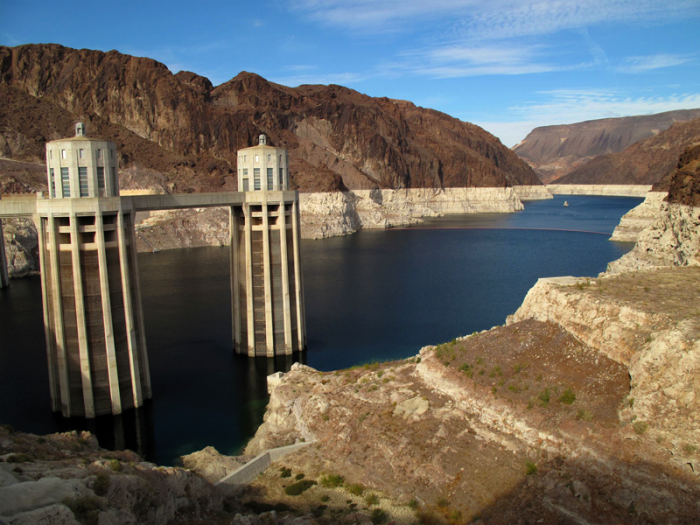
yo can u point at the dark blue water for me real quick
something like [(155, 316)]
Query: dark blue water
[(373, 295)]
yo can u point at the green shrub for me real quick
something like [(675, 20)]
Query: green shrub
[(378, 516), (443, 503), (467, 369), (640, 427), (8, 428), (86, 509), (371, 499), (530, 468), (568, 397), (413, 504), (20, 458), (325, 498), (544, 397), (101, 485), (690, 449), (115, 465), (285, 472), (332, 481), (299, 476), (356, 489), (297, 488), (584, 415)]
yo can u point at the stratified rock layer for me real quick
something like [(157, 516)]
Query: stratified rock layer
[(189, 131), (554, 151)]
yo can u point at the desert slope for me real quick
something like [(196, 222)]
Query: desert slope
[(188, 131), (554, 151)]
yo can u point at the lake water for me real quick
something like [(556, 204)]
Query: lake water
[(373, 295)]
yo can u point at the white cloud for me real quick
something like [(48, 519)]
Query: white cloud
[(569, 106), (496, 19), (648, 63)]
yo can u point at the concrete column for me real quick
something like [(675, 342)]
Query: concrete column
[(136, 304), (301, 319), (61, 356), (269, 328), (4, 277), (249, 279), (282, 222), (131, 335), (50, 343), (112, 369), (235, 288), (88, 400)]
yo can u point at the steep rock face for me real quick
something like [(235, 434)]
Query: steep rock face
[(640, 217), (645, 162), (336, 137), (554, 151), (673, 238)]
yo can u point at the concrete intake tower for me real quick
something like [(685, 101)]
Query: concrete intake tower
[(93, 319)]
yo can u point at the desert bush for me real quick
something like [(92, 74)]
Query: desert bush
[(285, 472), (640, 427), (378, 516), (530, 468), (115, 465), (20, 458), (86, 509), (371, 499), (101, 485), (568, 397), (356, 489), (297, 488), (544, 397), (332, 481)]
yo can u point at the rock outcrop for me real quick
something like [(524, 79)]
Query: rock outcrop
[(644, 162), (607, 190), (673, 239), (640, 217), (554, 151), (67, 479), (188, 131)]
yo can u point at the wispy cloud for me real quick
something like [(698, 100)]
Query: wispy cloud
[(568, 106), (648, 63), (496, 19)]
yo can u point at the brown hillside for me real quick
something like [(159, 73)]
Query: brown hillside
[(555, 151), (683, 184), (644, 162), (188, 131)]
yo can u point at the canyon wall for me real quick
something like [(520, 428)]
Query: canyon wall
[(609, 190), (554, 151), (640, 217)]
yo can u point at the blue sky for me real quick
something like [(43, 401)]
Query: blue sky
[(505, 65)]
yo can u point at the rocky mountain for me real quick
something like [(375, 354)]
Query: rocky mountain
[(182, 133), (644, 162), (555, 151)]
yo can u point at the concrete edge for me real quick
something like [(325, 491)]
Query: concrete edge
[(247, 473)]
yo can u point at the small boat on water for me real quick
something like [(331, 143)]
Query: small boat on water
[(566, 204)]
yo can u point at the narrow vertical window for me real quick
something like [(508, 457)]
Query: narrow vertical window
[(270, 178), (51, 154), (81, 153), (269, 158), (257, 158), (63, 154), (65, 183), (245, 185), (245, 158), (115, 186), (99, 153), (256, 179), (281, 178), (53, 184), (82, 179), (101, 181)]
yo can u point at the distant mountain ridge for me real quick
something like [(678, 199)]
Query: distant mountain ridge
[(555, 151), (644, 162), (179, 132)]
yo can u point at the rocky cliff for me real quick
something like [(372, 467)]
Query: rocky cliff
[(645, 162), (673, 238), (182, 132), (554, 151)]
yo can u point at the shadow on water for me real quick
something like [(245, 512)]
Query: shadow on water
[(372, 295)]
